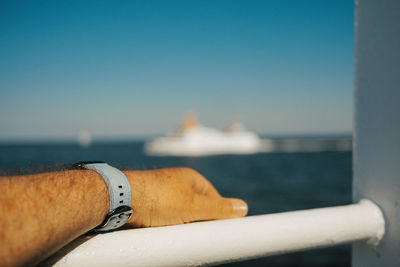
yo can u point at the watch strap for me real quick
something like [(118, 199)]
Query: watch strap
[(117, 184), (119, 191)]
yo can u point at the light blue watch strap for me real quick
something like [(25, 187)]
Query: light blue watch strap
[(120, 194)]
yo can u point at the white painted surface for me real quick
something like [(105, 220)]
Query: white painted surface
[(377, 123), (231, 240)]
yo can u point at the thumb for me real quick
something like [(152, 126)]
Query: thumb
[(220, 208)]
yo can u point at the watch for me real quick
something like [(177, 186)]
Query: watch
[(119, 191)]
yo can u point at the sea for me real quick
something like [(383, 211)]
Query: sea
[(268, 182)]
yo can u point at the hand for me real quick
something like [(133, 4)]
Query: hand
[(176, 196)]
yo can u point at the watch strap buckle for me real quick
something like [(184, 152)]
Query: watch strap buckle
[(115, 219)]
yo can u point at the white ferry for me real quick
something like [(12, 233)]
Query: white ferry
[(194, 139)]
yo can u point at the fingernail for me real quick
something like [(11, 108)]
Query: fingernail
[(239, 207)]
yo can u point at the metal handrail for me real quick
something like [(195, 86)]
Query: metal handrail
[(206, 243)]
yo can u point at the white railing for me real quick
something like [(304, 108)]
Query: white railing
[(206, 243)]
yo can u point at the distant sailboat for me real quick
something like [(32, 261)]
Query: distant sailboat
[(84, 139)]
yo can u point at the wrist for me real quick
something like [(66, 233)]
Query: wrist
[(119, 191), (137, 181)]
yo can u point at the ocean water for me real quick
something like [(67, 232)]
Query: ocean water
[(268, 182)]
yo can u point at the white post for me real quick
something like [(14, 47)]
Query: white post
[(231, 240), (377, 123)]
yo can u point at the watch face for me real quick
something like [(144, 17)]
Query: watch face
[(81, 164)]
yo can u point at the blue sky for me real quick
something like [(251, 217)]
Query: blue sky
[(134, 68)]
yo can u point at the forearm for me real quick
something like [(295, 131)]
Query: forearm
[(41, 213)]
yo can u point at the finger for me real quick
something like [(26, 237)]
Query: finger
[(219, 208), (238, 208)]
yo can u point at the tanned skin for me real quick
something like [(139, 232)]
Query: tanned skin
[(41, 213)]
